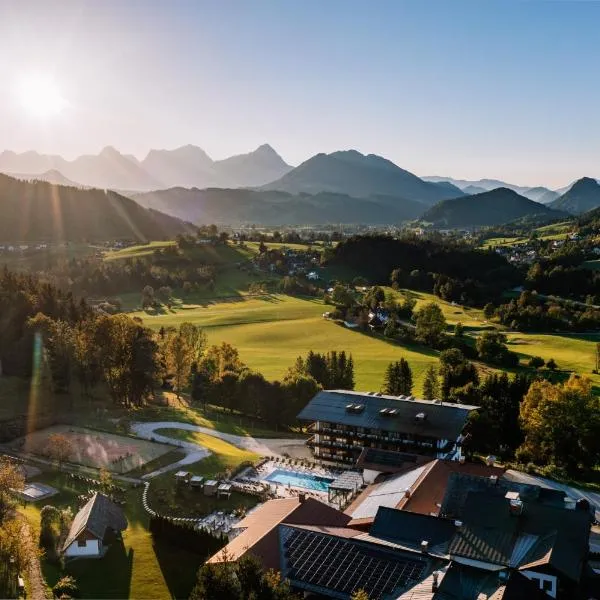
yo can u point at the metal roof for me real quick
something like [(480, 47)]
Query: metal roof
[(442, 420), (389, 493)]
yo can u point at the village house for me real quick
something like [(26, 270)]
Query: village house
[(98, 524)]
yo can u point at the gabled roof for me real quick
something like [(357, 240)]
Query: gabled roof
[(96, 516), (442, 420), (542, 535), (259, 529), (428, 493), (387, 493)]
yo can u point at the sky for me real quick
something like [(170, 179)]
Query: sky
[(468, 89)]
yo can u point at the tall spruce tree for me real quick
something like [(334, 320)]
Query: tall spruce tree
[(431, 384)]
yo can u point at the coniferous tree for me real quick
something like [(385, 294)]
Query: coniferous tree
[(405, 378), (431, 385)]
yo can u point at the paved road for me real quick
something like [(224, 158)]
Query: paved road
[(196, 452), (592, 497)]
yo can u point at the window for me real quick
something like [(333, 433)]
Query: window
[(81, 543)]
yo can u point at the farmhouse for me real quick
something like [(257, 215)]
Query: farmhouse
[(343, 423), (94, 527)]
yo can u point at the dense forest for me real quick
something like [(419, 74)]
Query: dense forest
[(451, 269)]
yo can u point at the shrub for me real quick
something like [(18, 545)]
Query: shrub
[(536, 362)]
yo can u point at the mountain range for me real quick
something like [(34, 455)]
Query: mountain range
[(259, 187), (41, 211), (496, 207), (355, 174), (540, 194), (187, 166)]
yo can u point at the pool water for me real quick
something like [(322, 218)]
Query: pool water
[(308, 481)]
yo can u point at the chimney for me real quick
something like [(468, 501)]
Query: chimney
[(435, 582), (515, 504), (301, 498), (424, 546)]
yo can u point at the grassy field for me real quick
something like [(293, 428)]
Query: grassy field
[(272, 332), (137, 568), (573, 353), (224, 456), (165, 496), (454, 313), (137, 251)]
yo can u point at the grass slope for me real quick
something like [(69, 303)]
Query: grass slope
[(138, 568), (272, 332)]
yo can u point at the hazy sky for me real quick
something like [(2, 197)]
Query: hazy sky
[(468, 89)]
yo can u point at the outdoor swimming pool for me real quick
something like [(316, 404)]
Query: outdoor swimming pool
[(308, 481)]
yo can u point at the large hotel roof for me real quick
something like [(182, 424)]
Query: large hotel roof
[(436, 419)]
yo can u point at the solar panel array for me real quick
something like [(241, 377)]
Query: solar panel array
[(383, 457), (339, 564)]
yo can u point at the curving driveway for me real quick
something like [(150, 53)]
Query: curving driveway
[(196, 452)]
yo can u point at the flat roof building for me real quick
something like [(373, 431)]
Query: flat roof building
[(345, 422)]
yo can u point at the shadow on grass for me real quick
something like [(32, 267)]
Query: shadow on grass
[(107, 577), (179, 567), (418, 348)]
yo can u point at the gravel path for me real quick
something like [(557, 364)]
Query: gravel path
[(196, 452), (35, 579)]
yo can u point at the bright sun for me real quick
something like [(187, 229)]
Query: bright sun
[(39, 95)]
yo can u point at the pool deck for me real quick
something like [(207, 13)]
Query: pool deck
[(260, 476)]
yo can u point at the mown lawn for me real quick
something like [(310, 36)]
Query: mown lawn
[(137, 251), (454, 313), (224, 456), (182, 500), (272, 332), (571, 352), (137, 568)]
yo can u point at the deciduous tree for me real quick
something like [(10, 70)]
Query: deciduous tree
[(561, 423), (430, 325)]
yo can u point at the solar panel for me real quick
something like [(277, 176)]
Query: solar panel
[(383, 457), (343, 565)]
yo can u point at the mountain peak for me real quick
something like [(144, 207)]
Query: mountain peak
[(110, 152), (585, 183), (266, 149), (582, 196)]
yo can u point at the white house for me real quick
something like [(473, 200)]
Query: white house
[(94, 527)]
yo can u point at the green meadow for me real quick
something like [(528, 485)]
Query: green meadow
[(272, 331)]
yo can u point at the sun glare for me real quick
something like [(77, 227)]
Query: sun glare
[(39, 96)]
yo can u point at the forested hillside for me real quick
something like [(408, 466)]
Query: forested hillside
[(39, 211), (487, 209), (452, 270)]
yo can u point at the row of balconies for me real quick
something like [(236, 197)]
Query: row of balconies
[(386, 437)]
